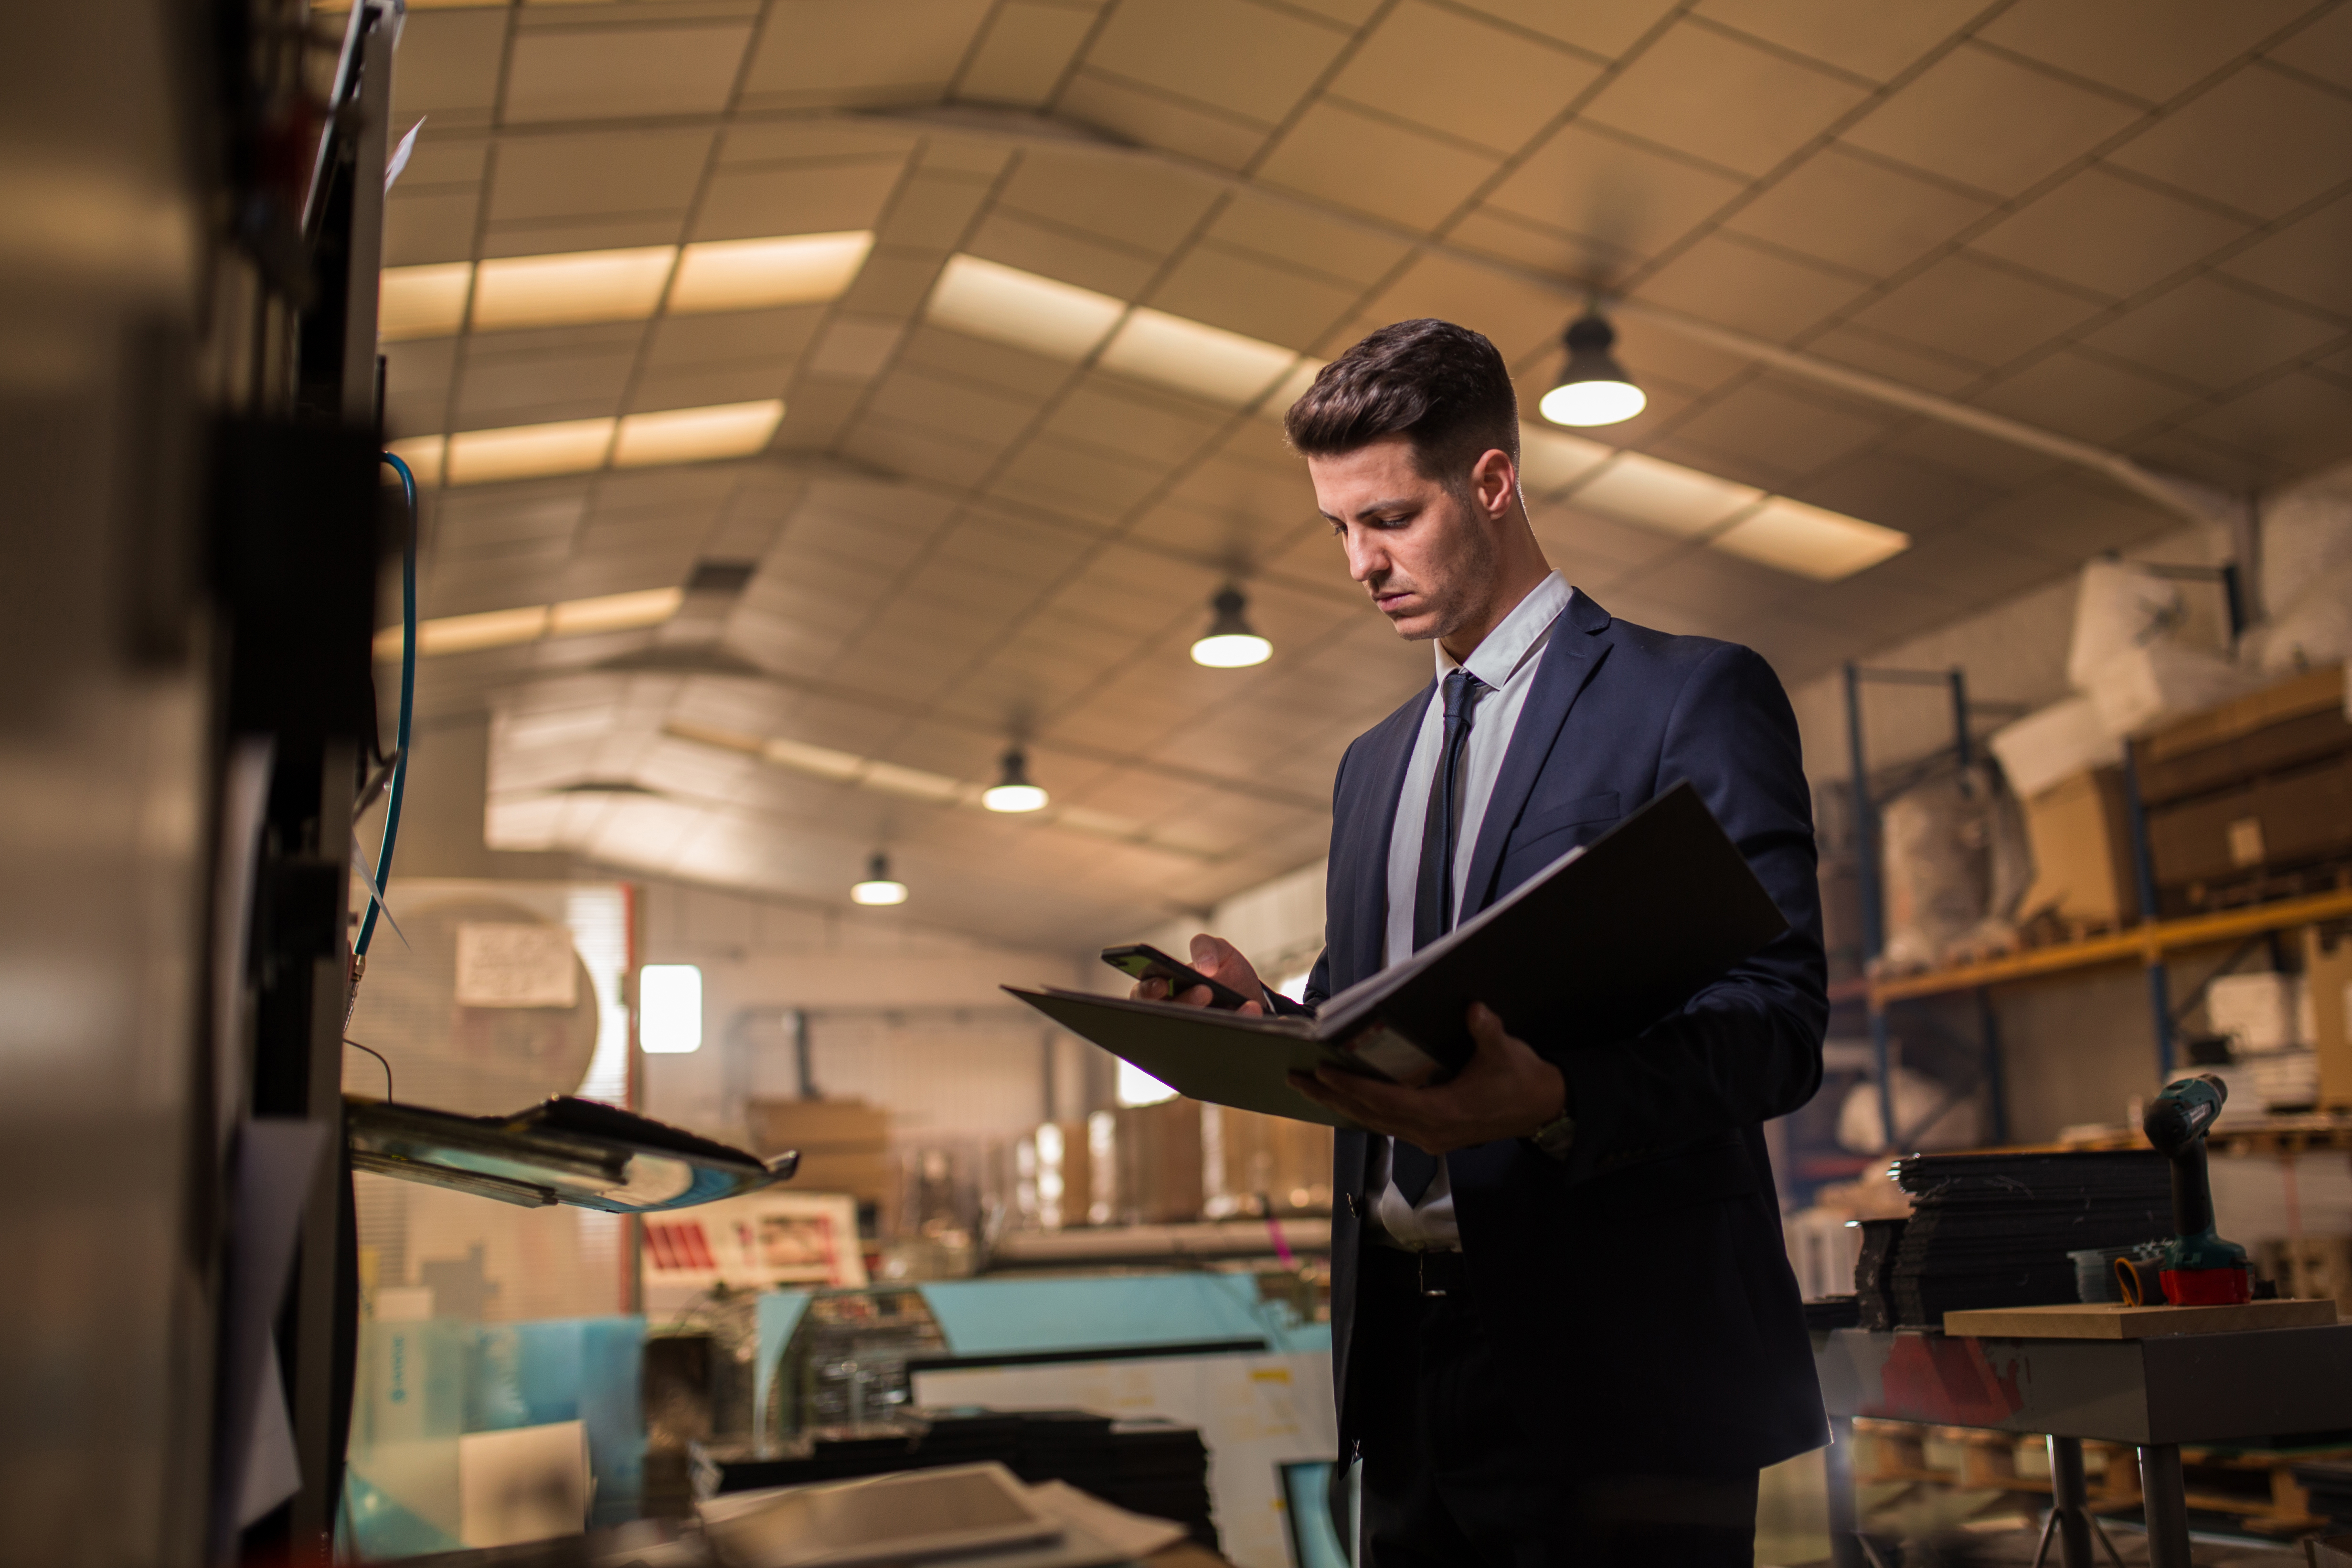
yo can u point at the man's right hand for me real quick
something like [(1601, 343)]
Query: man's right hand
[(1222, 962)]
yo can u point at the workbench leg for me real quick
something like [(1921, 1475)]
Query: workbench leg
[(1845, 1522), (2165, 1497), (2070, 1498)]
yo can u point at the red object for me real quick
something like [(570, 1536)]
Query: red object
[(2208, 1286)]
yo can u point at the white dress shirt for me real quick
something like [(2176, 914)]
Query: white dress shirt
[(1507, 662)]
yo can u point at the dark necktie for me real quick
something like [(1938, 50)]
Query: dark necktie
[(1433, 900)]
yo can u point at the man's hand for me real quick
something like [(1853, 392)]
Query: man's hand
[(1222, 962), (1505, 1090)]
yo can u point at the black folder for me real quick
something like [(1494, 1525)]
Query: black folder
[(1600, 944)]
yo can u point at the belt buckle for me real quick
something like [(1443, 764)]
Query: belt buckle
[(1420, 1273)]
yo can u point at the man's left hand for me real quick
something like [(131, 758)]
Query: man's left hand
[(1505, 1090)]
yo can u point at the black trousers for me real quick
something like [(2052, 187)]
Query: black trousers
[(1459, 1470)]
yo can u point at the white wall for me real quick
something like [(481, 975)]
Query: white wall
[(902, 1014)]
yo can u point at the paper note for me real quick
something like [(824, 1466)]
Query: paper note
[(516, 965)]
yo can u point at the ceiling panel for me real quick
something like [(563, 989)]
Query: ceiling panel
[(1858, 213), (1961, 237), (1972, 309), (2150, 49), (611, 73), (2100, 231), (1990, 122), (849, 51), (1462, 76), (1251, 60), (1864, 37), (1024, 53), (2321, 46), (1722, 99), (1375, 164), (2309, 261), (2209, 333), (2263, 142)]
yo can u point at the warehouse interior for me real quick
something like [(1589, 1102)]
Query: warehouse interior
[(609, 648)]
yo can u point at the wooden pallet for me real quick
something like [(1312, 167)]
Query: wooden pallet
[(2271, 1502)]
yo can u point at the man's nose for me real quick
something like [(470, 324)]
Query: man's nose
[(1366, 559)]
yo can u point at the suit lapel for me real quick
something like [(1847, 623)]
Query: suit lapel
[(1369, 822), (1574, 653)]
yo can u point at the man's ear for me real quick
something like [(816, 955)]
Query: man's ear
[(1494, 481)]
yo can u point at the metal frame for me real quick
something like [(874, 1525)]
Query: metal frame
[(1872, 892)]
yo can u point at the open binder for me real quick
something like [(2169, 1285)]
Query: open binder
[(1600, 944)]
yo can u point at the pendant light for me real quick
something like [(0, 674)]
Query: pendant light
[(1230, 643), (1012, 791), (1593, 388), (879, 886)]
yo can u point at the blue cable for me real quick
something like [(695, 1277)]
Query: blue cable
[(408, 707)]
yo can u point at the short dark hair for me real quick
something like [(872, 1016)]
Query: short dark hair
[(1443, 386)]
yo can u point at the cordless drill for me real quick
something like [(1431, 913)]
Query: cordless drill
[(2197, 1268)]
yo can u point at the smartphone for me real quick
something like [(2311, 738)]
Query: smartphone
[(1145, 962)]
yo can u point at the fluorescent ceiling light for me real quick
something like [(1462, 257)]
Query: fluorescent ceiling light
[(1188, 356), (471, 634), (753, 274), (422, 301), (425, 456), (529, 622), (697, 435), (1292, 387), (1809, 541), (1551, 461), (529, 451), (1006, 305), (572, 287), (823, 762), (611, 613), (864, 773), (582, 446), (1664, 496)]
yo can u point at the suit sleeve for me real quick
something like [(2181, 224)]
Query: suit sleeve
[(1748, 1047)]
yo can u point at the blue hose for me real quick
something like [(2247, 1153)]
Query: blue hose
[(408, 707)]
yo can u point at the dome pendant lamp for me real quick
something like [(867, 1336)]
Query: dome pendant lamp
[(1012, 791), (879, 886), (1594, 388), (1229, 643)]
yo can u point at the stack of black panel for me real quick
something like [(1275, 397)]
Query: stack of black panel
[(1993, 1231), (1147, 1466)]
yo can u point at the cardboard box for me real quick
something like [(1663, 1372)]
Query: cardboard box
[(1157, 1153), (2297, 720), (2081, 851), (1256, 1164), (2327, 982), (845, 1146)]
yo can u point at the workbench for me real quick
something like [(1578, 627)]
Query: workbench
[(2152, 1394)]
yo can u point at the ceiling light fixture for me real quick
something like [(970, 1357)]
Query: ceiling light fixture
[(1230, 643), (879, 886), (1013, 792), (1593, 387)]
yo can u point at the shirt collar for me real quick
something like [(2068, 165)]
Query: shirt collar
[(1516, 638)]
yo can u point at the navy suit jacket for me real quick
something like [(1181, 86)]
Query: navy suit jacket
[(1641, 1282)]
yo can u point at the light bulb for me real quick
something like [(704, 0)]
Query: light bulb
[(1593, 387), (1587, 402), (1013, 792), (1232, 650), (879, 886), (1230, 643)]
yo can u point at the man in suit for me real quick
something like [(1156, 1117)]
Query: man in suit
[(1564, 1329)]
